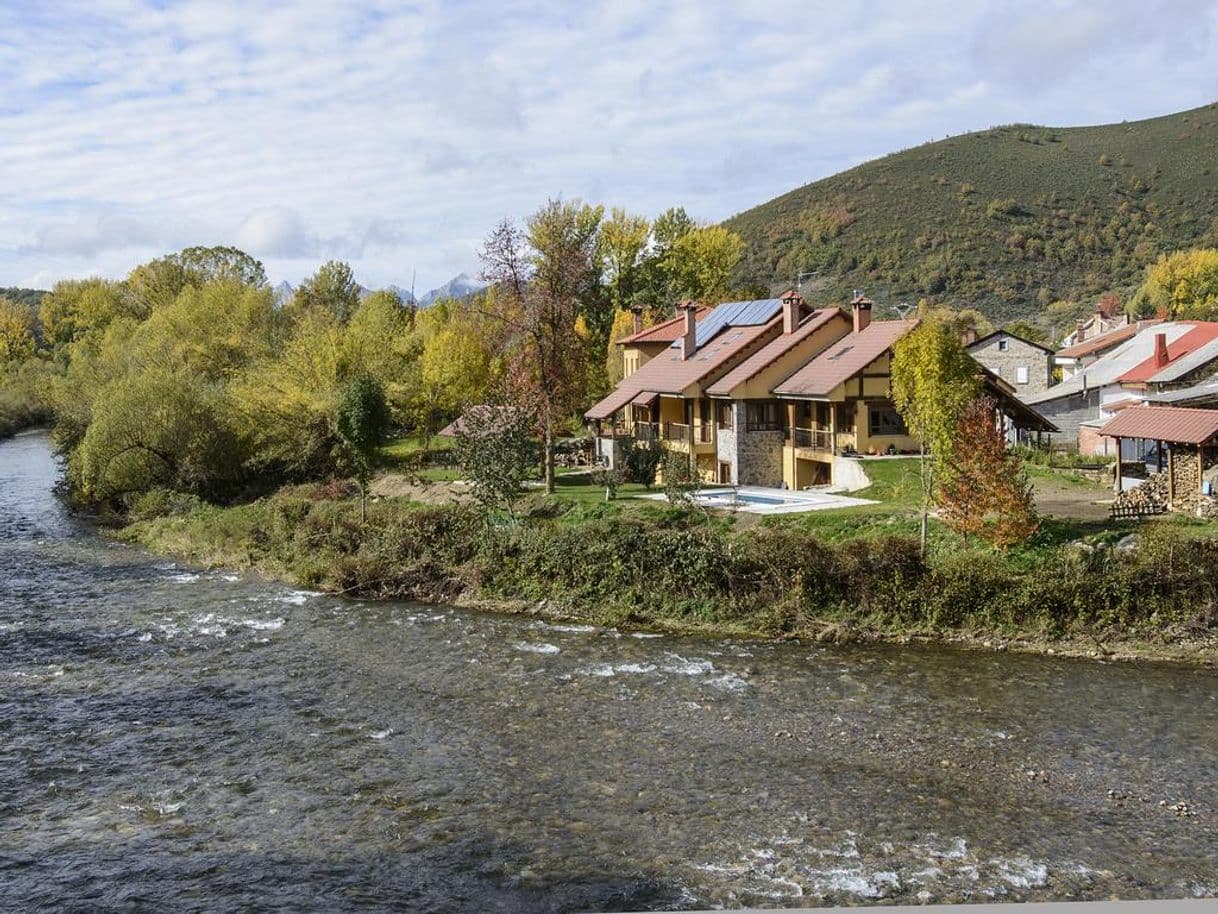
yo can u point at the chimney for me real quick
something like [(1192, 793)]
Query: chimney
[(792, 311), (1161, 350), (1080, 330), (968, 336), (690, 336), (636, 323), (860, 306)]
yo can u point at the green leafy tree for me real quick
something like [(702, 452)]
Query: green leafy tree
[(934, 380), (362, 422), (680, 480), (641, 462), (701, 263), (77, 308), (207, 264), (455, 371), (496, 450), (153, 430), (332, 289)]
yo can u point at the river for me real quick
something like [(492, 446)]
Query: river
[(200, 740)]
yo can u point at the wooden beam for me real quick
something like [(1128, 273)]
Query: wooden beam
[(1118, 466)]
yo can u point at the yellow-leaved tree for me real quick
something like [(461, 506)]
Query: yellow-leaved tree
[(1183, 285), (934, 380), (16, 331)]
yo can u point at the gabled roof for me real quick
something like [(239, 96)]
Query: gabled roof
[(1109, 368), (1015, 336), (1104, 341), (735, 314), (665, 332), (1195, 349), (844, 359), (1175, 424), (772, 351), (668, 373), (1202, 392)]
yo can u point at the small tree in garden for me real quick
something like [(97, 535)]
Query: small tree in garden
[(985, 490), (641, 463), (680, 481), (609, 478), (933, 382), (362, 423), (497, 452)]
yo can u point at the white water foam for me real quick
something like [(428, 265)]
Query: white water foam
[(381, 734), (536, 647)]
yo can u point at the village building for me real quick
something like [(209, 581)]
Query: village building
[(1025, 365), (1077, 354), (1185, 443), (1107, 316), (644, 343), (772, 393), (1157, 359)]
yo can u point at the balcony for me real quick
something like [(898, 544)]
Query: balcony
[(683, 436), (817, 439)]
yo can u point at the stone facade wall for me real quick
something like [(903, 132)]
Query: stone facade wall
[(609, 452), (1005, 364), (1068, 412), (759, 459), (725, 442)]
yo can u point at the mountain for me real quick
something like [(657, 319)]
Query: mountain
[(460, 286), (1007, 220)]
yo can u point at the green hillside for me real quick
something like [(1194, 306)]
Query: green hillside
[(1007, 220), (30, 297)]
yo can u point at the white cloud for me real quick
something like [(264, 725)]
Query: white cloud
[(396, 136)]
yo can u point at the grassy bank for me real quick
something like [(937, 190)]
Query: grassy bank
[(854, 576)]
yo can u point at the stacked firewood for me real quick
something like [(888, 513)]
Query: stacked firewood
[(1150, 496)]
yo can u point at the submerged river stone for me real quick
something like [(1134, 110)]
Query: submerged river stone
[(172, 738)]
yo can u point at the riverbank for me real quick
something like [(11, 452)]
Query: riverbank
[(1105, 595)]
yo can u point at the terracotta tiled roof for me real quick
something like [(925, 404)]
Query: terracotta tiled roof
[(667, 332), (1185, 354), (1175, 424), (668, 373), (773, 350), (844, 359), (1104, 340)]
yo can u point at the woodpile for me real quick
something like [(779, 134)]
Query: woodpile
[(1148, 498)]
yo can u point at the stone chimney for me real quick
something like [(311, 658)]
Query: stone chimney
[(689, 339), (968, 336), (1080, 330), (1161, 350), (860, 307), (636, 323), (792, 311)]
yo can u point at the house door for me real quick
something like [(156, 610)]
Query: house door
[(725, 473)]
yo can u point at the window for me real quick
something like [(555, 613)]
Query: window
[(724, 415), (884, 420), (1021, 374), (765, 415), (1003, 345)]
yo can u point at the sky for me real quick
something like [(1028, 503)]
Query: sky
[(395, 135)]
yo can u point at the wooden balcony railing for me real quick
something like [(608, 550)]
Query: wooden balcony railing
[(674, 431)]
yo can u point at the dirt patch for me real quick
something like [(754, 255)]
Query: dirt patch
[(398, 485), (1058, 497)]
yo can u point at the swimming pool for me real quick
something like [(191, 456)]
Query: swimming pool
[(759, 500)]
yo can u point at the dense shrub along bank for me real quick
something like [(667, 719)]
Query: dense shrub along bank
[(770, 581)]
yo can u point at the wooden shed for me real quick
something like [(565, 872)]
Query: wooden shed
[(1191, 436)]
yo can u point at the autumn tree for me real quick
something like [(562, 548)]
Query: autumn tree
[(1182, 286), (540, 275), (934, 380), (700, 263), (497, 453), (16, 331), (985, 490)]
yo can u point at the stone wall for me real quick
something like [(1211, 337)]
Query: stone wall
[(725, 442), (759, 459), (609, 452)]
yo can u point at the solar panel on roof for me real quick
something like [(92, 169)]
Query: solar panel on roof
[(734, 314)]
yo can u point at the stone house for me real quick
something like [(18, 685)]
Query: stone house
[(1025, 365)]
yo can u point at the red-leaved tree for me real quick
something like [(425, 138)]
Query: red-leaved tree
[(985, 491)]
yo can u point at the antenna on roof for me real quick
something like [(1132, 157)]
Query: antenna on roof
[(807, 274), (903, 308)]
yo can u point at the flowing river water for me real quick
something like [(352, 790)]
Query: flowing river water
[(200, 740)]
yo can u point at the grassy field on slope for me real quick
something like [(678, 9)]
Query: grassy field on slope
[(1008, 219)]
